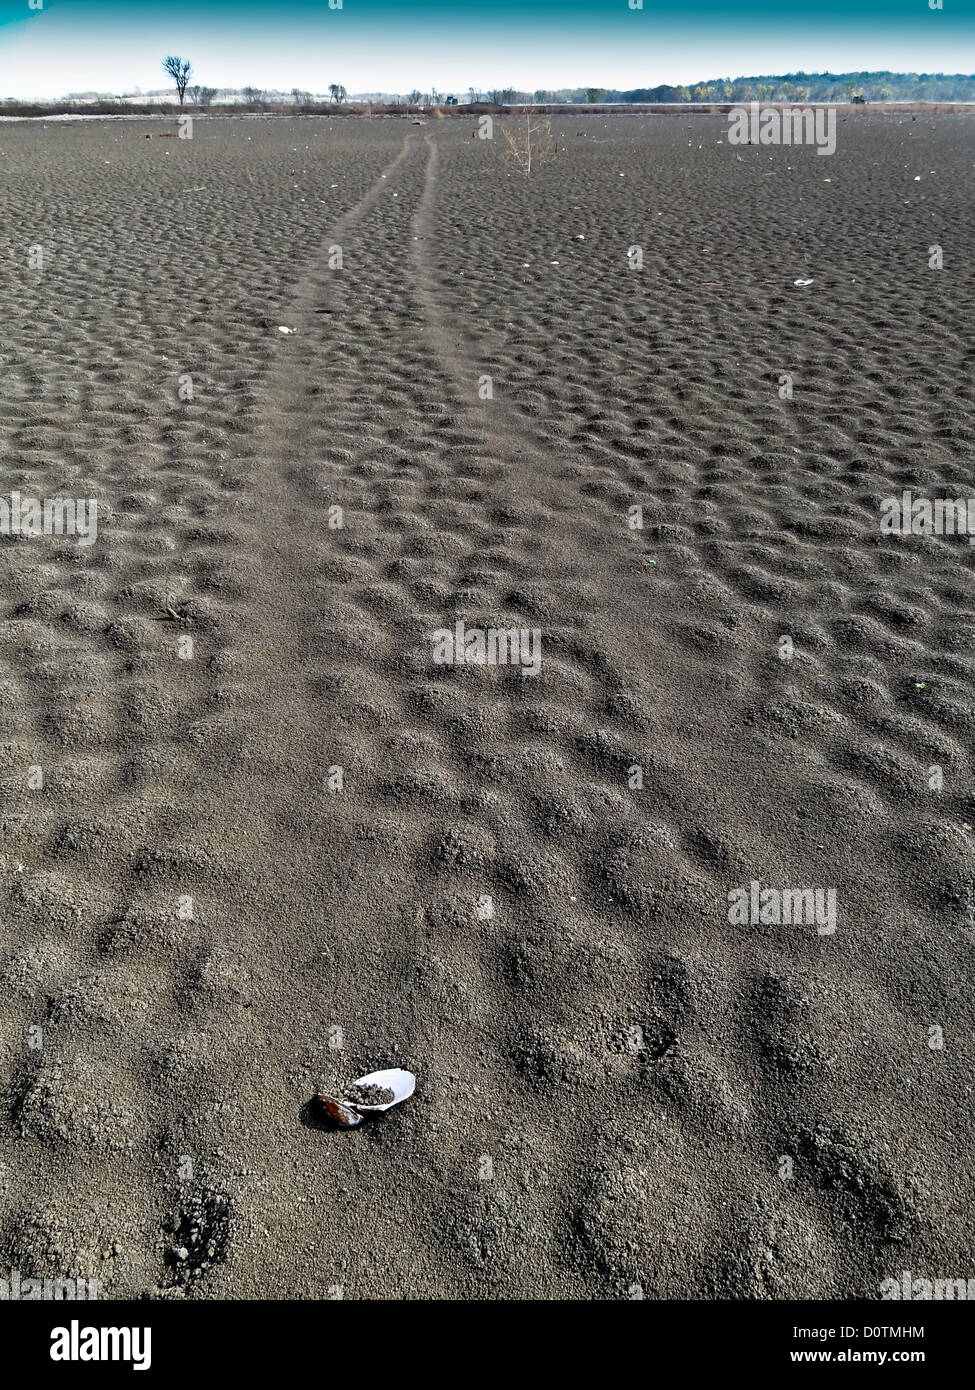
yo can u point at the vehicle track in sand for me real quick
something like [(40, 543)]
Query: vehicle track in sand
[(335, 902), (449, 511)]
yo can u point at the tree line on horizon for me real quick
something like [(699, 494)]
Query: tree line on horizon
[(787, 87), (816, 86), (796, 87)]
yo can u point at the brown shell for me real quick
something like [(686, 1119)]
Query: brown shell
[(338, 1111)]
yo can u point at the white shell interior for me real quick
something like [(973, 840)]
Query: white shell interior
[(401, 1083)]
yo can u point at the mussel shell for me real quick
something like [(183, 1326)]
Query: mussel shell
[(338, 1111), (401, 1083)]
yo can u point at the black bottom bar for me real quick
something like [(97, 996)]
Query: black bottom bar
[(193, 1337)]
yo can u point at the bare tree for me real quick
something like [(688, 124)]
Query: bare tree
[(179, 70), (205, 95), (253, 95), (531, 146), (415, 97), (337, 92), (474, 95)]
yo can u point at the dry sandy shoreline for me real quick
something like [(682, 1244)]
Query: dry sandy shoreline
[(617, 1086)]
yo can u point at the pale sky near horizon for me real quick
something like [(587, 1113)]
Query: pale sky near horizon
[(395, 45)]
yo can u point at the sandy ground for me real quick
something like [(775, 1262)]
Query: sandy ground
[(619, 1090)]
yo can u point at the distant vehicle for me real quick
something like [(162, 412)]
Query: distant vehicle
[(858, 101), (450, 101)]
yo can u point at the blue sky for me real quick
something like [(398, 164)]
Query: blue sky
[(395, 45)]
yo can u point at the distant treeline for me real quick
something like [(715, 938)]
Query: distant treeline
[(792, 87), (795, 87), (810, 86)]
